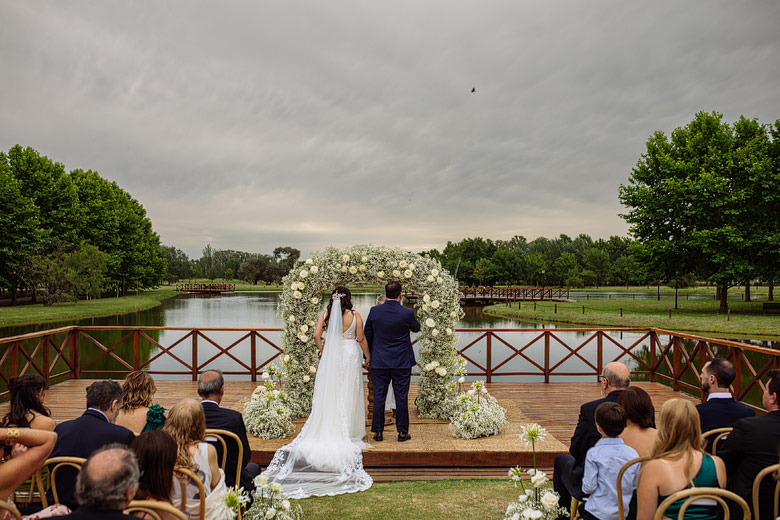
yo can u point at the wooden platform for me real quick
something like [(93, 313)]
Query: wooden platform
[(432, 453)]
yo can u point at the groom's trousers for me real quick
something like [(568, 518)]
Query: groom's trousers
[(380, 379)]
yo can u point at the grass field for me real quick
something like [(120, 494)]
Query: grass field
[(431, 500), (696, 315)]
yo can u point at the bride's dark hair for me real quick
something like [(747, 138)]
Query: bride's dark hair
[(346, 302)]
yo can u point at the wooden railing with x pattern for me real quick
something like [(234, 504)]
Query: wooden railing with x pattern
[(654, 354)]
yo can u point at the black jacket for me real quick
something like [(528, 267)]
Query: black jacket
[(219, 418), (79, 438), (722, 413), (100, 514), (586, 435)]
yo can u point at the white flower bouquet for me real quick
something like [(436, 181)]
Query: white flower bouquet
[(233, 500), (267, 414), (269, 503), (477, 414)]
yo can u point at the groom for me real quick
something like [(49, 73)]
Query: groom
[(392, 358)]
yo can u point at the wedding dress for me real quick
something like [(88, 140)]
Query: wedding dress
[(325, 458)]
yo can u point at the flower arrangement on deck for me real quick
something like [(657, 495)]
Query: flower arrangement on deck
[(438, 309), (267, 412), (269, 502), (477, 414), (537, 501)]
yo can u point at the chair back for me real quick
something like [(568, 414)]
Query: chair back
[(5, 506), (182, 475), (717, 434), (56, 463), (154, 508), (690, 495), (221, 435), (757, 485), (638, 460)]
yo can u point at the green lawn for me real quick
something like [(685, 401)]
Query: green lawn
[(37, 313), (699, 316), (430, 499)]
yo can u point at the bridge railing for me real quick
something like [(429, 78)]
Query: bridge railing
[(514, 293), (206, 287), (546, 355)]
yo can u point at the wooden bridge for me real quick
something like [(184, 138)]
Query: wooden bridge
[(217, 288), (508, 294)]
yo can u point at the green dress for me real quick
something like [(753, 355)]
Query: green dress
[(706, 477)]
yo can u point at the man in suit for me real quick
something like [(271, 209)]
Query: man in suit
[(387, 331), (720, 410), (752, 446), (106, 483), (94, 429), (211, 389), (569, 467)]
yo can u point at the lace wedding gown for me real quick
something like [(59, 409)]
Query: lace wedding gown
[(325, 458)]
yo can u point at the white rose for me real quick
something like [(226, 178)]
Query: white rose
[(286, 358), (315, 300), (314, 269), (309, 261), (435, 332), (301, 286), (298, 295), (440, 280), (343, 268), (426, 298), (453, 314), (436, 364), (380, 274), (306, 379), (304, 273), (364, 259), (338, 266), (441, 371), (449, 331), (312, 369), (539, 479), (435, 272), (286, 504), (430, 278), (352, 270), (426, 307), (407, 273), (304, 328), (435, 304), (261, 480), (429, 367), (265, 376), (291, 319), (270, 513), (550, 501), (311, 324), (430, 323), (461, 379), (345, 258), (362, 268), (396, 273), (294, 286), (303, 337), (402, 264)]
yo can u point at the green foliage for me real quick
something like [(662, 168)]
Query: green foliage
[(178, 265), (65, 276)]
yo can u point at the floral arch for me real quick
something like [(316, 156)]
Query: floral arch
[(438, 309)]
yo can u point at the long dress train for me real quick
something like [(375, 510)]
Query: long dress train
[(325, 458)]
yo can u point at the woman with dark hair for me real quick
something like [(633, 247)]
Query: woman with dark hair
[(639, 432), (27, 409), (138, 414), (325, 458), (156, 453)]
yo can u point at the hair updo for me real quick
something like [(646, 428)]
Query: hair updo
[(346, 302)]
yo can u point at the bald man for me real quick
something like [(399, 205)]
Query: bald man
[(569, 467), (106, 483)]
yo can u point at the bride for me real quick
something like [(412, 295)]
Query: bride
[(325, 458)]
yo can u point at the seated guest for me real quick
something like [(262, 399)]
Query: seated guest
[(568, 468), (93, 430), (640, 420), (106, 483), (138, 414), (603, 463), (720, 410), (752, 446), (211, 388), (678, 463), (187, 426), (26, 406), (156, 454), (25, 451)]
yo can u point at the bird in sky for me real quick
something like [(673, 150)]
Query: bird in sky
[(473, 89)]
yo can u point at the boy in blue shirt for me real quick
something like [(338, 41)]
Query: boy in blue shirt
[(603, 463)]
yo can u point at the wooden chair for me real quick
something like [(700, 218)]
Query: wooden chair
[(221, 435), (638, 460), (5, 506), (182, 474), (718, 434), (757, 484), (57, 463), (692, 494), (153, 509)]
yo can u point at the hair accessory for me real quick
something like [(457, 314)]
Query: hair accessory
[(337, 296)]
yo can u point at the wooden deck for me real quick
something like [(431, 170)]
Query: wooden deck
[(555, 406)]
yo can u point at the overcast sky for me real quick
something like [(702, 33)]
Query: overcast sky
[(251, 125)]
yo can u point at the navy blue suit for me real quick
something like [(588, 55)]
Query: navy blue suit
[(722, 413), (219, 418), (79, 438), (392, 358)]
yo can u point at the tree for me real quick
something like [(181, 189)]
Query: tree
[(19, 225), (256, 268), (536, 266), (597, 265), (179, 266), (484, 271), (564, 268)]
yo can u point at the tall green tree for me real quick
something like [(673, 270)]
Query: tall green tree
[(19, 235)]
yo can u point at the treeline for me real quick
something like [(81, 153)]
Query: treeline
[(561, 261), (67, 235), (229, 264)]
